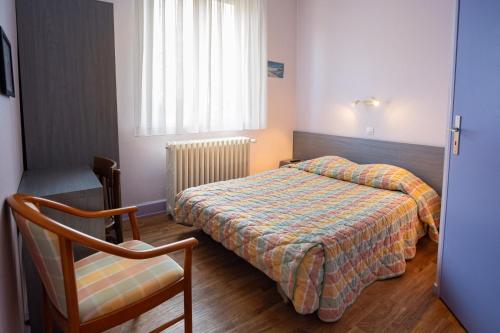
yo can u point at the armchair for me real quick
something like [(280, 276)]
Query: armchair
[(114, 285)]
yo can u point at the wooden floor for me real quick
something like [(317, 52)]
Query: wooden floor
[(230, 295)]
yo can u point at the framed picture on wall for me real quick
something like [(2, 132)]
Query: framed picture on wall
[(6, 71), (275, 69)]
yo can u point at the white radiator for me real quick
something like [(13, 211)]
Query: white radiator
[(193, 163)]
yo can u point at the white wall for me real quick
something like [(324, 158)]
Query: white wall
[(11, 168), (398, 51), (142, 159)]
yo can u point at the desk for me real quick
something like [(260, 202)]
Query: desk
[(73, 186)]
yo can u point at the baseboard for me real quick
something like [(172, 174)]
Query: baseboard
[(150, 208)]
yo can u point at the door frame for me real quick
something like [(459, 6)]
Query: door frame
[(447, 150)]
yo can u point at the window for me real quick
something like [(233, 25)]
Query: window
[(202, 66)]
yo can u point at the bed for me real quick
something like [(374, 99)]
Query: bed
[(323, 229)]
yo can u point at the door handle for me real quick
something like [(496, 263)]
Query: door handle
[(457, 126)]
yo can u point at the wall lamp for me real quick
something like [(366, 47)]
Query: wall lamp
[(371, 102)]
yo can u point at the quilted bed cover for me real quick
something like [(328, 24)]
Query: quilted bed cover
[(324, 229)]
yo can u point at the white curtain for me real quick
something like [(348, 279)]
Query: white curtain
[(202, 66)]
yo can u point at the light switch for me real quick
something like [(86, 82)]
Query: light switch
[(370, 131)]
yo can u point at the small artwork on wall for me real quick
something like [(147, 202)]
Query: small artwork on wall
[(6, 71), (275, 69)]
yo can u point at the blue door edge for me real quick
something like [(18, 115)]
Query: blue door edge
[(447, 153)]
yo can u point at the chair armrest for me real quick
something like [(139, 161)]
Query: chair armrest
[(184, 244), (17, 203), (130, 211), (83, 213), (99, 245)]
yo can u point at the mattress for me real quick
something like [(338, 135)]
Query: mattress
[(323, 229)]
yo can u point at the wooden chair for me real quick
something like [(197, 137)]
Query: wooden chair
[(102, 290), (109, 176)]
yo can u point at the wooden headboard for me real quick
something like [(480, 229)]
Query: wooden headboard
[(426, 162)]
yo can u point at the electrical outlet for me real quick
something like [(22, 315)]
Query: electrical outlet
[(370, 131)]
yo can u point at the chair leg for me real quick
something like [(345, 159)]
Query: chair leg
[(47, 317), (188, 308)]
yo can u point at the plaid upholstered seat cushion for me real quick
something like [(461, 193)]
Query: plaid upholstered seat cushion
[(106, 283)]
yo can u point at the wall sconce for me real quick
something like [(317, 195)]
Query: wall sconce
[(371, 102)]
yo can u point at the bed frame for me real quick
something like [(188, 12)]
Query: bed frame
[(426, 162)]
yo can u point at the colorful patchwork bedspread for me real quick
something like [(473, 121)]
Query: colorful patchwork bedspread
[(324, 229)]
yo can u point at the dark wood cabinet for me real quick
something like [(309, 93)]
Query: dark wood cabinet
[(68, 84)]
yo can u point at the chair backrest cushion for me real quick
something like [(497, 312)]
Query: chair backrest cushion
[(43, 246)]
